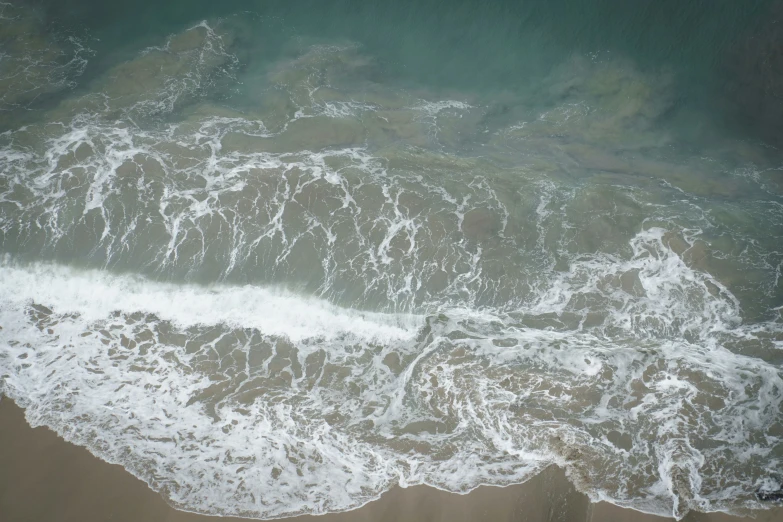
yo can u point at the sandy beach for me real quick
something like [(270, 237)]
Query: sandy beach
[(44, 478)]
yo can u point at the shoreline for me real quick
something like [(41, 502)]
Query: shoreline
[(43, 477)]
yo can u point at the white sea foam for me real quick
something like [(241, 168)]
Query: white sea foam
[(274, 312), (303, 445)]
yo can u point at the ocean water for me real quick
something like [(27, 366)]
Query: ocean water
[(275, 258)]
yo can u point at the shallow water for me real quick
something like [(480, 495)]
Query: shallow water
[(275, 261)]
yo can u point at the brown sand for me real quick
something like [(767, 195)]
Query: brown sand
[(45, 479)]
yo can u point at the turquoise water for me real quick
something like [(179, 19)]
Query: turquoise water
[(276, 258)]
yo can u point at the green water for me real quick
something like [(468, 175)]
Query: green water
[(492, 47), (276, 258)]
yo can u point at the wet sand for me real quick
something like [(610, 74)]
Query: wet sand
[(44, 478)]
